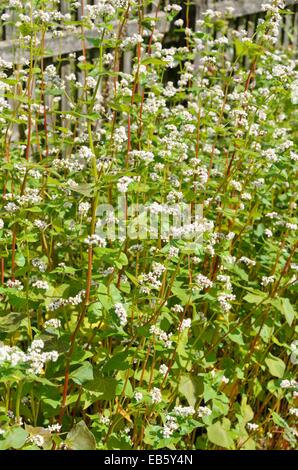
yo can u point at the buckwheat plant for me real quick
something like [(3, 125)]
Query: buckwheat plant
[(121, 328)]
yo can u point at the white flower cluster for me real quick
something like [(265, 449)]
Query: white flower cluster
[(138, 396), (184, 411), (173, 252), (203, 411), (294, 412), (156, 396), (177, 308), (30, 196), (186, 323), (16, 284), (40, 284), (84, 208), (161, 335), (224, 299), (120, 136), (142, 156), (70, 164), (163, 370), (203, 282), (247, 261), (252, 426), (37, 358), (170, 426), (91, 82), (131, 41), (95, 240), (121, 313), (266, 280), (54, 427), (174, 7), (34, 357), (152, 278), (85, 153), (289, 383), (123, 184), (192, 230), (39, 264), (273, 29), (76, 300), (52, 323), (36, 439), (41, 224), (104, 420)]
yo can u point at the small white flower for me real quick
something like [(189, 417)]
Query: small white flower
[(266, 280), (184, 411), (252, 426), (37, 439), (84, 208), (54, 427), (104, 420), (225, 379), (294, 412), (53, 323), (177, 308), (16, 284), (138, 396), (163, 370), (179, 23), (203, 411), (288, 384), (121, 314), (41, 285), (156, 396), (186, 323)]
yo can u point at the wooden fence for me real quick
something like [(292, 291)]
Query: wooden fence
[(246, 15), (245, 12)]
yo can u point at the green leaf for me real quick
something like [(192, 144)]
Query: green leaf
[(86, 189), (103, 297), (255, 298), (180, 293), (117, 362), (276, 366), (11, 322), (286, 308), (246, 411), (237, 337), (104, 386), (82, 374), (118, 443), (279, 420), (94, 312), (219, 436), (132, 278), (15, 438), (80, 438), (153, 61), (20, 259), (191, 388)]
